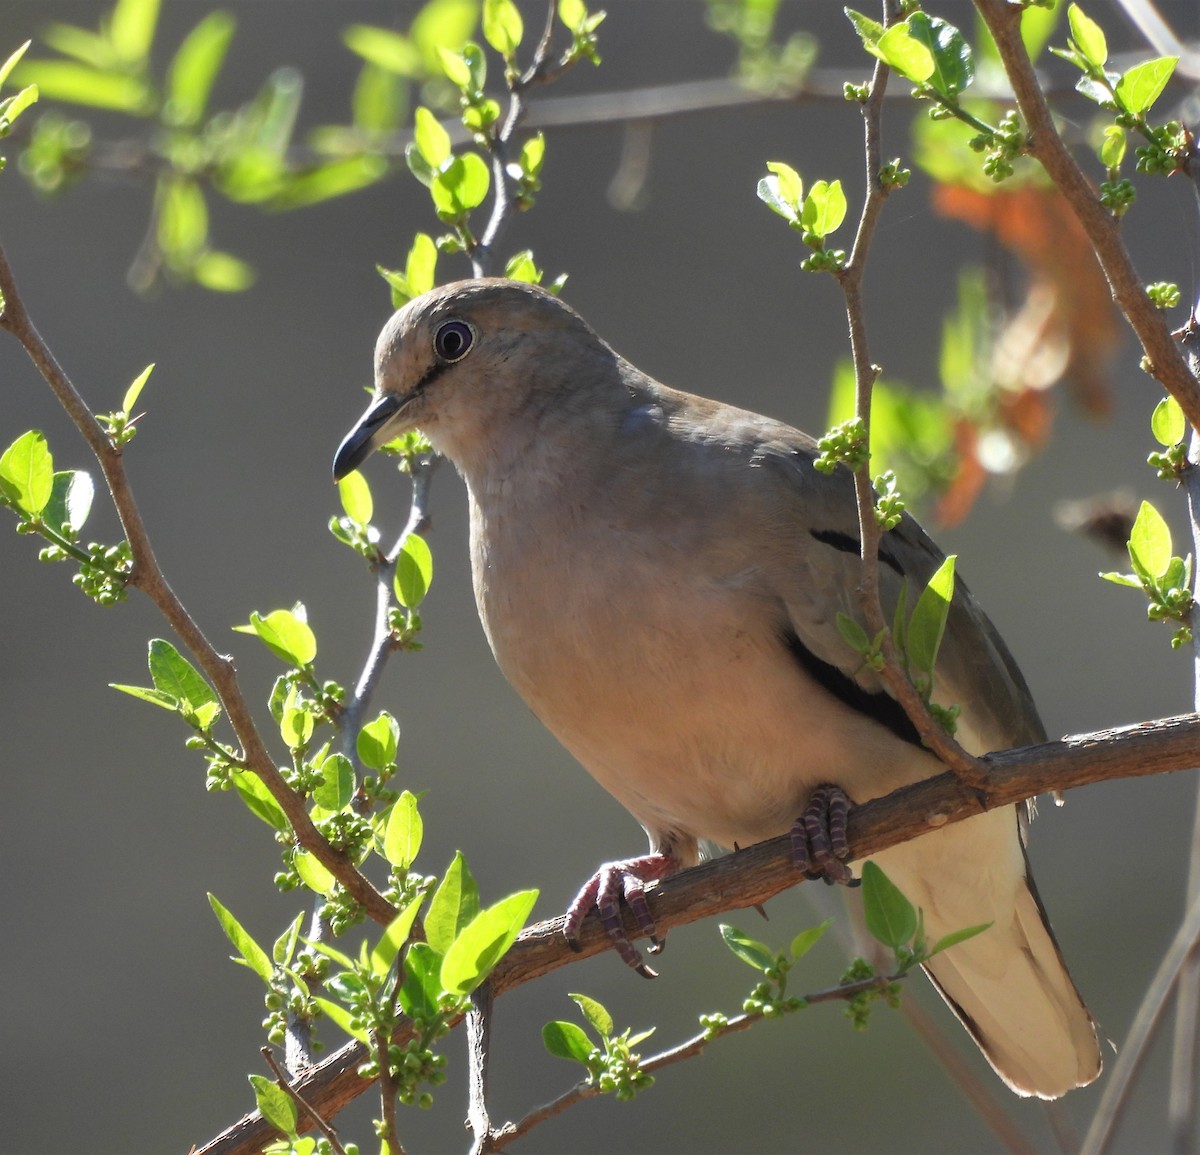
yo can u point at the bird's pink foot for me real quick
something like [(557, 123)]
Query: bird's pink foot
[(604, 891), (819, 842)]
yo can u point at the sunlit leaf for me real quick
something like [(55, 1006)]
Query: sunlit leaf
[(1167, 422), (454, 904), (1088, 36), (1150, 541), (274, 1104), (414, 571), (567, 1040), (483, 942), (891, 919), (596, 1014), (928, 621), (1143, 84), (248, 950), (27, 472), (752, 952), (404, 831), (194, 68), (355, 495)]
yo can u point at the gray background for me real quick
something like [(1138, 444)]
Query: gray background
[(125, 1029)]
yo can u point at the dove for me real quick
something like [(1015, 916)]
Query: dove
[(660, 576)]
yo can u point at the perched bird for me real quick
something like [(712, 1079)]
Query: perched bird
[(659, 577)]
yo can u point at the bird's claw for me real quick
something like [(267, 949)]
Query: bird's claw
[(603, 893), (819, 842)]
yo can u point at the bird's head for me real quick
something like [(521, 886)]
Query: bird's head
[(466, 362)]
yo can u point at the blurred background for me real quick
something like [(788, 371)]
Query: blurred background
[(127, 1029)]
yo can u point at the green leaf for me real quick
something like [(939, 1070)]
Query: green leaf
[(1112, 150), (154, 697), (378, 741), (891, 919), (533, 154), (483, 942), (381, 46), (1150, 541), (421, 265), (173, 674), (248, 950), (953, 63), (502, 26), (131, 28), (567, 1041), (274, 1104), (222, 272), (327, 181), (27, 473), (355, 496), (431, 139), (596, 1014), (899, 49), (12, 107), (342, 1018), (752, 952), (284, 948), (135, 389), (182, 221), (285, 633), (454, 904), (12, 61), (1122, 579), (260, 801), (461, 185), (78, 84), (394, 937), (1167, 422), (380, 101), (313, 873), (70, 500), (869, 31), (1088, 36), (337, 783), (1143, 84), (788, 186), (824, 208), (457, 70), (807, 939), (957, 936), (422, 986), (928, 621), (194, 67), (404, 831), (414, 571)]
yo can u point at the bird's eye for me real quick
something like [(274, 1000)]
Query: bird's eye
[(453, 340)]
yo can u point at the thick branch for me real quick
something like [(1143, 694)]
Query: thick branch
[(752, 876), (1164, 359)]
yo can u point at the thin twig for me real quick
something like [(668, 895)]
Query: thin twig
[(850, 277), (285, 1085), (757, 873), (1134, 1049), (149, 578)]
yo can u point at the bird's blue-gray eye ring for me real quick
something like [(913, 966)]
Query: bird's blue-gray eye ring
[(453, 340)]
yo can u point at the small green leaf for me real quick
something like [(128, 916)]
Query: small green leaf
[(484, 941), (1150, 541), (1112, 150), (928, 621), (248, 950), (957, 936), (807, 939), (154, 697), (431, 139), (457, 70), (274, 1104), (462, 185), (421, 266), (404, 831), (173, 674), (378, 741), (12, 61), (824, 208), (78, 84), (1143, 84), (954, 65), (135, 389), (1167, 423), (596, 1014), (891, 919), (454, 904), (422, 986), (390, 50), (284, 949), (355, 496), (194, 67), (1122, 579), (502, 26), (394, 937), (222, 272), (131, 28), (1088, 36), (337, 784), (70, 500), (414, 571), (13, 106), (869, 31), (260, 801), (899, 49), (533, 154), (27, 473), (753, 953), (567, 1041), (342, 1018), (313, 873), (285, 633)]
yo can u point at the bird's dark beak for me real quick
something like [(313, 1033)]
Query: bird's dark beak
[(367, 435)]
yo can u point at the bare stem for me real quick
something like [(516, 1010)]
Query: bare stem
[(321, 1125), (479, 1034)]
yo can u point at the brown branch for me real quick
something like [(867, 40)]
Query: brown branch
[(1163, 357), (756, 874), (148, 576)]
